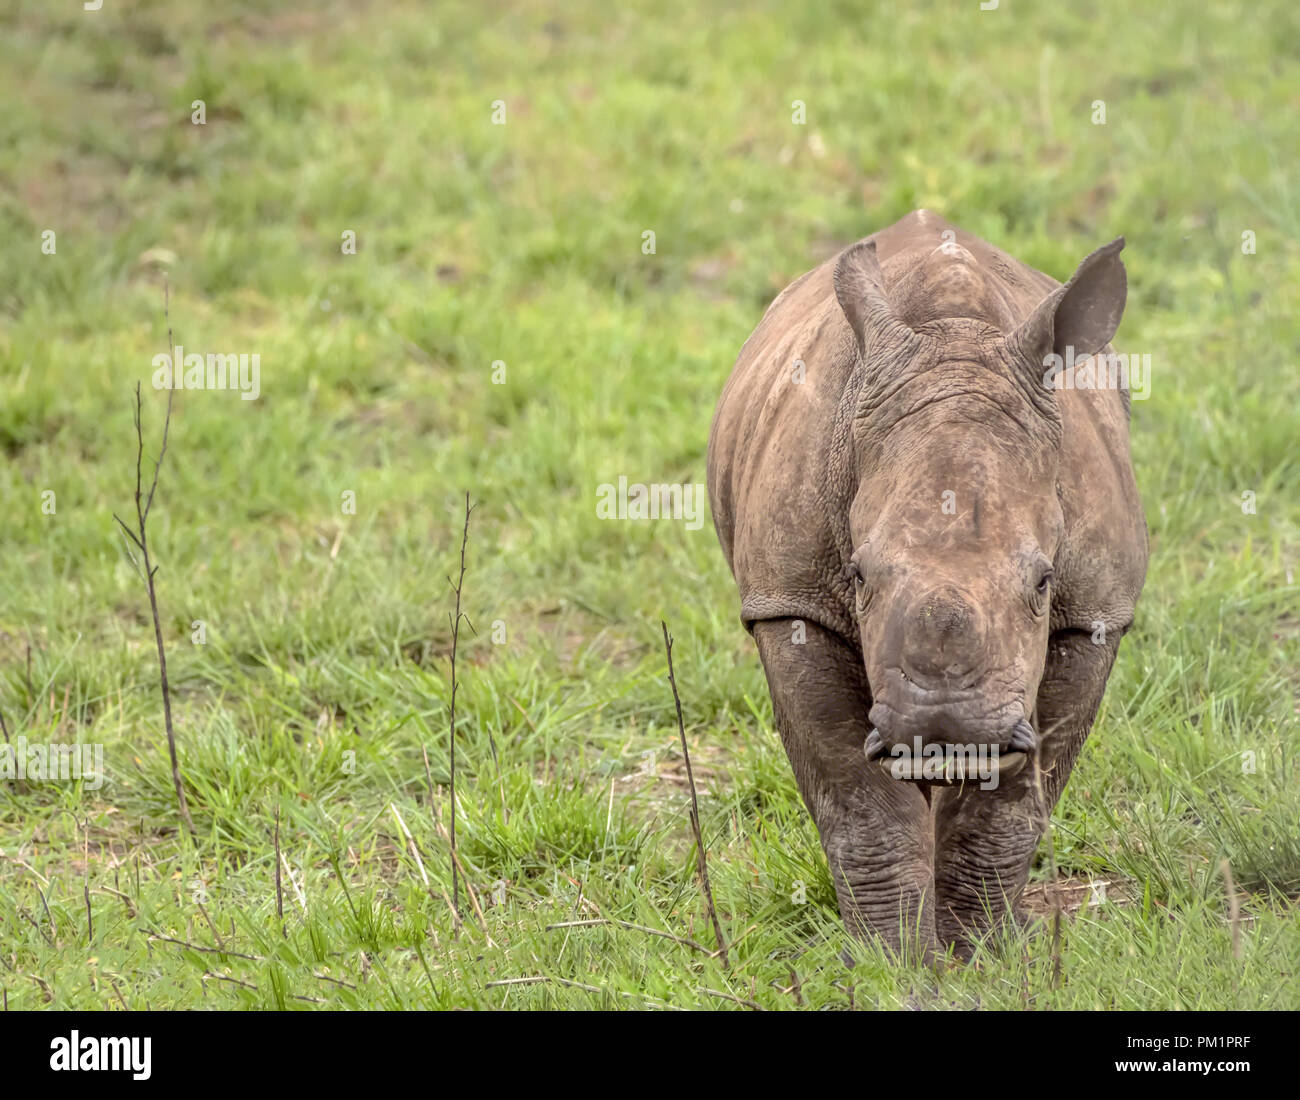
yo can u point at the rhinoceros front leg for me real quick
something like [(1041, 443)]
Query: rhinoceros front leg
[(984, 844), (985, 840), (875, 830)]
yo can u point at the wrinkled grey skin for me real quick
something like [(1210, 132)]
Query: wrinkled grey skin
[(994, 622)]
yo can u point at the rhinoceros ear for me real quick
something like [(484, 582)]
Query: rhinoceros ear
[(1082, 315), (859, 287)]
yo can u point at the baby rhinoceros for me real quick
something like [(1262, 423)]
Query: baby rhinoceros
[(938, 543)]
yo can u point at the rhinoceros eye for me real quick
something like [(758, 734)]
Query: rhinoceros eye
[(1040, 580)]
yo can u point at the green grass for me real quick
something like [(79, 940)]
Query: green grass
[(325, 672)]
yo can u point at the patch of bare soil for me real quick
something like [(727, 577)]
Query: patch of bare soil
[(1072, 893)]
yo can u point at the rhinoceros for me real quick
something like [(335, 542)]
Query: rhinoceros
[(938, 546)]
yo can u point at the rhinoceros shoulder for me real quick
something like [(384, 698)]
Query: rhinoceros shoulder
[(773, 456)]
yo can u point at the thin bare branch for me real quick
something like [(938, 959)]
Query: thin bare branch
[(202, 949), (631, 927), (732, 997), (171, 394), (141, 539), (701, 855), (455, 916), (455, 641), (279, 886), (1234, 906)]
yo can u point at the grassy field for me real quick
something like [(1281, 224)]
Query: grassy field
[(323, 673)]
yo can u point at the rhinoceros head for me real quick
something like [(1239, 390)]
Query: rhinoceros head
[(956, 523)]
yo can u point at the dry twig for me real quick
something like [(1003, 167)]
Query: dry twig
[(455, 641), (700, 854), (140, 538)]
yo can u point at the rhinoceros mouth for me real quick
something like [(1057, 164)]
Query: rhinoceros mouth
[(952, 763), (954, 771)]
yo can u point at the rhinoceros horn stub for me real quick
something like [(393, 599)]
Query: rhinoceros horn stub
[(1083, 314), (859, 286)]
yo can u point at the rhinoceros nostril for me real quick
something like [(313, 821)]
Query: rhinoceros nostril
[(1023, 737), (875, 745)]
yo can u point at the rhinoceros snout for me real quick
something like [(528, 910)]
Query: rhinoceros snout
[(944, 639), (962, 719)]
